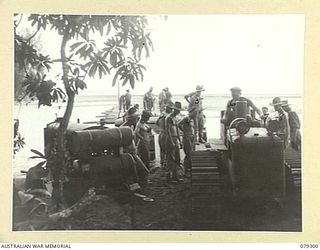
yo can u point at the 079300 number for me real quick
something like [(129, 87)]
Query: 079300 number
[(308, 245)]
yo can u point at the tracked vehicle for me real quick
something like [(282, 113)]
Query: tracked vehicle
[(246, 170)]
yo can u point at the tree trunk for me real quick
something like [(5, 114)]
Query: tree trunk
[(59, 160)]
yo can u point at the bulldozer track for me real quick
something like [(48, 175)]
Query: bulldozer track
[(206, 189), (292, 160)]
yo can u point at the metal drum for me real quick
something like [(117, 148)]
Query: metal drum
[(96, 140)]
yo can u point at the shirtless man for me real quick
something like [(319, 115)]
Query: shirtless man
[(173, 144), (143, 139), (162, 135), (148, 100), (188, 141)]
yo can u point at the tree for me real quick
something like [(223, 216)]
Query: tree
[(125, 39)]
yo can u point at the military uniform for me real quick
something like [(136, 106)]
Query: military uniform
[(295, 135), (283, 132), (195, 102)]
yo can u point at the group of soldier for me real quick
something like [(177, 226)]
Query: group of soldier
[(288, 120), (191, 126)]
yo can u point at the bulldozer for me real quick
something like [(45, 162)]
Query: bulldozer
[(246, 170)]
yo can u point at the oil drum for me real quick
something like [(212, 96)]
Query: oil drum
[(96, 140)]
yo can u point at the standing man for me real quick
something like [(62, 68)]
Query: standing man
[(122, 106), (168, 95), (283, 132), (143, 139), (230, 113), (173, 144), (188, 143), (294, 124), (163, 135), (164, 97), (264, 117), (127, 99), (195, 102), (148, 100), (141, 170)]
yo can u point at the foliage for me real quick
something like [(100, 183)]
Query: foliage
[(125, 39)]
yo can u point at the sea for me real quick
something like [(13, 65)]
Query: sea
[(90, 108)]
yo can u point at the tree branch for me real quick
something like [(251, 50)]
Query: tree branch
[(28, 39)]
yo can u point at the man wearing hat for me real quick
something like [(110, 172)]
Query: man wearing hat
[(173, 144), (141, 172), (188, 143), (131, 118), (283, 132), (127, 99), (294, 124), (162, 135), (195, 102), (229, 114)]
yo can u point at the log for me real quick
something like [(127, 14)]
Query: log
[(87, 199), (40, 223)]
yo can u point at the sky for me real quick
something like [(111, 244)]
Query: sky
[(262, 54)]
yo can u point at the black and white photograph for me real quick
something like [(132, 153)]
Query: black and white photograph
[(157, 122)]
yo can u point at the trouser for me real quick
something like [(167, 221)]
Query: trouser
[(162, 145), (188, 146), (195, 119), (162, 107), (144, 153), (173, 157), (295, 138), (200, 125), (127, 105)]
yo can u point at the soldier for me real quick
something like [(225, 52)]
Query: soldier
[(122, 105), (162, 135), (148, 100), (142, 170), (294, 124), (131, 118), (265, 115), (164, 97), (188, 143), (195, 101), (229, 114), (283, 132), (173, 144), (143, 139), (127, 99)]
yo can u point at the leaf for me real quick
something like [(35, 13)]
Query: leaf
[(35, 157), (37, 153), (132, 81), (80, 84)]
